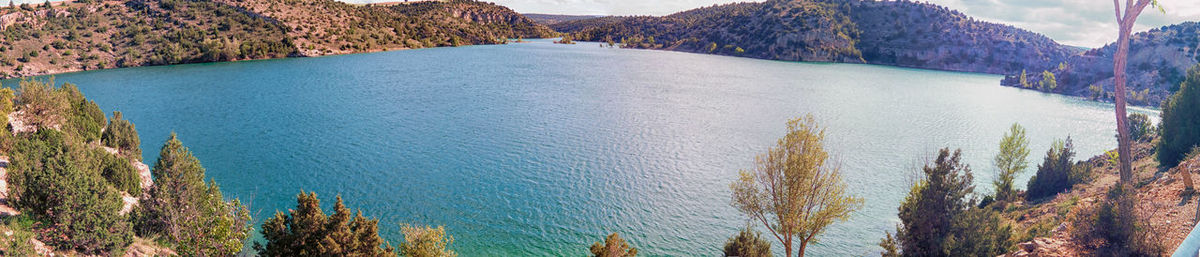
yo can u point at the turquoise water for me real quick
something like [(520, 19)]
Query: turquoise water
[(539, 149)]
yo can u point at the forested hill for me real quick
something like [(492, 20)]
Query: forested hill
[(1158, 62), (90, 34), (899, 33)]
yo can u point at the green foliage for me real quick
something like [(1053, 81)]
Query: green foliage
[(120, 173), (307, 231), (122, 135), (1010, 161), (43, 107), (613, 246), (186, 211), (1140, 127), (1181, 121), (747, 243), (1024, 80), (939, 217), (425, 242), (889, 245), (85, 119), (792, 190), (80, 210), (6, 106), (1056, 173), (18, 243), (1048, 82)]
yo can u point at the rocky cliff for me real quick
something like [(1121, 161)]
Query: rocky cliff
[(1158, 60), (900, 33)]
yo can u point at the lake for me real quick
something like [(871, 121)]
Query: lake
[(538, 149)]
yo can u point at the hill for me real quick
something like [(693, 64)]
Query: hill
[(550, 19), (85, 35), (1158, 60), (899, 33)]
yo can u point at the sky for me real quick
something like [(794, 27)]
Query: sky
[(1087, 23)]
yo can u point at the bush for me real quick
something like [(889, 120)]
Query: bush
[(120, 173), (748, 243), (1102, 228), (18, 243), (1054, 175), (1140, 128), (79, 209), (1181, 121), (186, 211), (122, 135), (85, 119), (43, 106)]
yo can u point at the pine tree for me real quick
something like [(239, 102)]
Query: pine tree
[(307, 231), (188, 212)]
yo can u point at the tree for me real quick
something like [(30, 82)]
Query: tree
[(1025, 80), (747, 243), (932, 204), (307, 231), (940, 217), (1054, 175), (1125, 21), (792, 191), (1048, 82), (1181, 121), (613, 246), (122, 135), (1010, 161), (43, 107), (425, 242), (188, 212), (1140, 128)]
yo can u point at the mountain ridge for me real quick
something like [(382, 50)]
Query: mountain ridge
[(89, 34)]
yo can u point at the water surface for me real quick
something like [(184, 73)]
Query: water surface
[(539, 149)]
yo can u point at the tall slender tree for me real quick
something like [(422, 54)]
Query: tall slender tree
[(1126, 17)]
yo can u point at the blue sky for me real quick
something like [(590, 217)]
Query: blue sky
[(1088, 23)]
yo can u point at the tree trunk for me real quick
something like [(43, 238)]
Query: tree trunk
[(787, 247), (1119, 59), (803, 244)]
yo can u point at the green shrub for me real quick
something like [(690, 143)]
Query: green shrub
[(17, 244), (78, 207), (306, 230), (1181, 121), (44, 107), (1140, 128), (85, 119), (121, 174), (122, 135), (748, 243), (1054, 175)]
